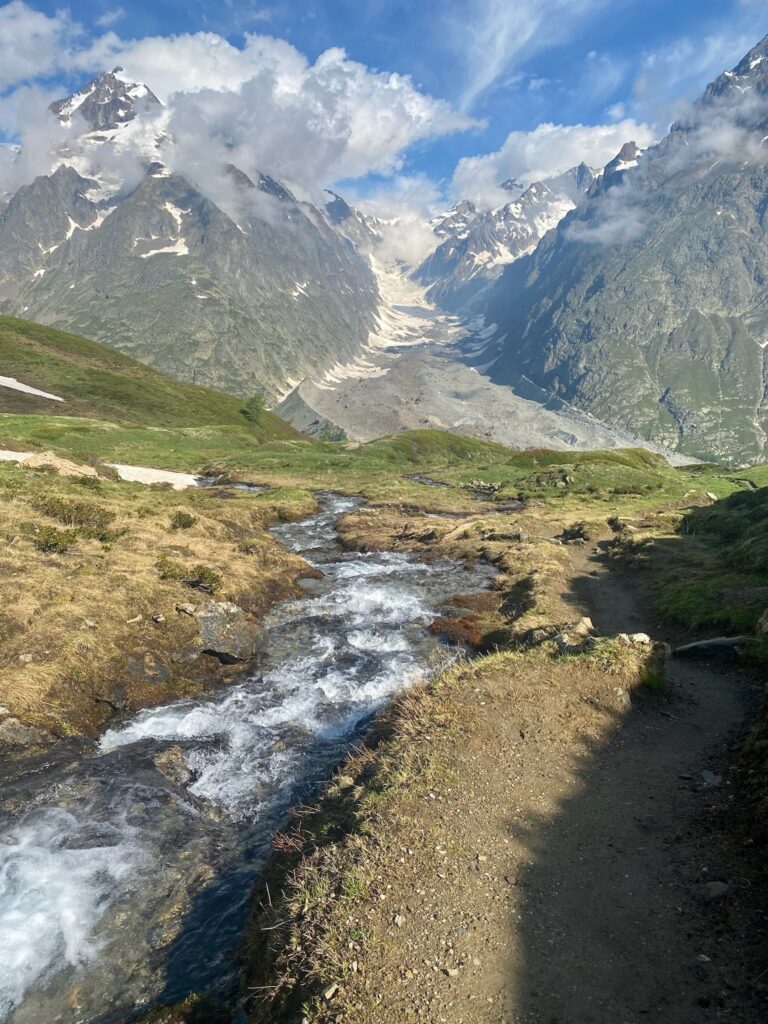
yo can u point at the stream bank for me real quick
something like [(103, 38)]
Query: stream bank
[(127, 868)]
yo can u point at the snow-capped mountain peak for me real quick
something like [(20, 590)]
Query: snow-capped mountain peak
[(476, 244), (108, 101)]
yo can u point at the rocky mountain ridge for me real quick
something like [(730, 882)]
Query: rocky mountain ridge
[(476, 244), (646, 305), (248, 293)]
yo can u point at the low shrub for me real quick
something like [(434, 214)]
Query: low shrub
[(53, 541), (73, 513), (183, 520)]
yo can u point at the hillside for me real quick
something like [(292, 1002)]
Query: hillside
[(98, 383), (646, 305)]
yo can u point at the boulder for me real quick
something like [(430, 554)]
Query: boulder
[(14, 733), (227, 631)]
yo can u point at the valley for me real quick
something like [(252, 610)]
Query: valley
[(384, 493), (235, 638)]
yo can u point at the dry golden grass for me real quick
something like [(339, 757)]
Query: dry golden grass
[(77, 629)]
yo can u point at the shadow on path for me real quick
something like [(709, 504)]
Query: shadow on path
[(636, 907)]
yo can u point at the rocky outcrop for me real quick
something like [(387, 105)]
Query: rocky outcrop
[(227, 632)]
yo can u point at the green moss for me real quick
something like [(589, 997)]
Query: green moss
[(199, 577)]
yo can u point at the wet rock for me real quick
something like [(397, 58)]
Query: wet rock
[(227, 631), (762, 625), (172, 764), (14, 733)]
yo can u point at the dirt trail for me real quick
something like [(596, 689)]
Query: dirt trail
[(575, 867)]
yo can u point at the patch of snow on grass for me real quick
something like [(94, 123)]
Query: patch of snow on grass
[(15, 385)]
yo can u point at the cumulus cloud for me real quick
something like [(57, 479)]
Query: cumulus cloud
[(262, 106), (31, 43), (544, 152), (307, 123)]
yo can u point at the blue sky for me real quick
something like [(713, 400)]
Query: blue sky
[(499, 66)]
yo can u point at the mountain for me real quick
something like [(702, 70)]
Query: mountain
[(250, 290), (647, 305), (361, 229), (477, 244), (107, 102), (85, 379)]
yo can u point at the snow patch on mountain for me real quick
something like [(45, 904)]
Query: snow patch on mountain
[(15, 385)]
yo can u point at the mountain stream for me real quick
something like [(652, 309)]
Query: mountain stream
[(126, 867)]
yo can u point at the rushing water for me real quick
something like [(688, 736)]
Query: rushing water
[(125, 869)]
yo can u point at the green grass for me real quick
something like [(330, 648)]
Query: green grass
[(100, 384), (717, 576), (118, 410)]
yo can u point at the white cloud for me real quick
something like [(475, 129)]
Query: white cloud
[(110, 17), (491, 34), (404, 206), (266, 108), (547, 150), (618, 218), (31, 43), (262, 106)]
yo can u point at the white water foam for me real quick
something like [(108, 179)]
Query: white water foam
[(53, 891)]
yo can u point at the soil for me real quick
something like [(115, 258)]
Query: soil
[(580, 861)]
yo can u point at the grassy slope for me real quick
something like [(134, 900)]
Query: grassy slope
[(100, 384), (717, 578)]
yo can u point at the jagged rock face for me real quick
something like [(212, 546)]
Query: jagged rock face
[(647, 305), (247, 299), (107, 102), (478, 244), (359, 228)]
